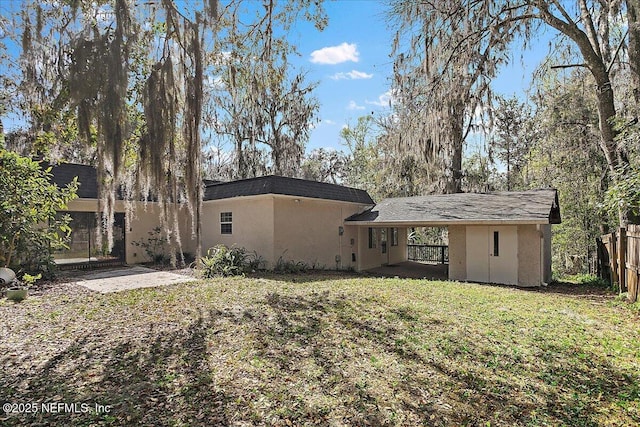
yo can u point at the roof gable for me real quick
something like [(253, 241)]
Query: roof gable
[(536, 206), (274, 184)]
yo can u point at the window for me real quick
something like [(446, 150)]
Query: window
[(394, 237), (226, 220), (373, 238), (496, 242)]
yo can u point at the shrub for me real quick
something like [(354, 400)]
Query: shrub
[(29, 227), (155, 246), (223, 261), (290, 267), (588, 280)]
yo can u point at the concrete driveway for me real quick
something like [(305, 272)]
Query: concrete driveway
[(126, 278)]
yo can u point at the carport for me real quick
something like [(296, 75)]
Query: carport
[(502, 237)]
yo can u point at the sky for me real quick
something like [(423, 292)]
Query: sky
[(350, 61)]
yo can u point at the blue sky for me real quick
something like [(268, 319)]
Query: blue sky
[(350, 60), (359, 84)]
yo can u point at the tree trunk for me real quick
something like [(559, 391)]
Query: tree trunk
[(633, 10), (614, 153)]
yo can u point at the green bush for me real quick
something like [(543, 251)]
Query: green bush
[(588, 280), (290, 267), (155, 246), (224, 261), (29, 227)]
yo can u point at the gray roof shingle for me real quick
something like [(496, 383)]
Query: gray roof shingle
[(537, 206), (87, 177), (64, 173), (273, 184)]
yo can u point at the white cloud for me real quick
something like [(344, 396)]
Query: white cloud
[(354, 106), (335, 54), (329, 122), (384, 100), (351, 75)]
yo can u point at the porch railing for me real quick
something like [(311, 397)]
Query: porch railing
[(428, 253)]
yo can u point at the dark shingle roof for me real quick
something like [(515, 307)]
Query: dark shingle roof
[(273, 184), (64, 173), (538, 206)]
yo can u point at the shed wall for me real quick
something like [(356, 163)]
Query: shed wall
[(529, 255), (457, 252)]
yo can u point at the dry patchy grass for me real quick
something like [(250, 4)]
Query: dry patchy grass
[(322, 350)]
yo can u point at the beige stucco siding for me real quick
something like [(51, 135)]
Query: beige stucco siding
[(546, 253), (252, 225), (397, 253), (367, 257), (457, 252), (308, 230), (529, 255), (143, 219), (139, 221)]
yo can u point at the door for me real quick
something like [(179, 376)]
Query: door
[(492, 254), (384, 253), (503, 255), (477, 254)]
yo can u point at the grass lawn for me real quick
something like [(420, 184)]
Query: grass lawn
[(321, 350)]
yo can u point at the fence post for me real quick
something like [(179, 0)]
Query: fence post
[(442, 254), (622, 251), (613, 257)]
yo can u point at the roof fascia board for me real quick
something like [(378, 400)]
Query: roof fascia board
[(288, 196), (444, 223)]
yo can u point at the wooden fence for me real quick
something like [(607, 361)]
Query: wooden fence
[(619, 259)]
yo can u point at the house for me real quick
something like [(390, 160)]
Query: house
[(497, 237), (277, 217)]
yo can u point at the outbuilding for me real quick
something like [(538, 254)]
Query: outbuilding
[(502, 237)]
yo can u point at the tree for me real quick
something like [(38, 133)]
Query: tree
[(262, 103), (442, 75), (324, 166), (590, 31), (512, 138), (455, 49), (29, 227), (133, 79), (566, 156), (479, 174)]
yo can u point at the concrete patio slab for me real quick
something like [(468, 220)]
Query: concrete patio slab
[(412, 270), (123, 279)]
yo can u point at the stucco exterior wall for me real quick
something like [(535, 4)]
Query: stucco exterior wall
[(252, 225), (546, 253), (457, 252), (367, 257), (308, 230), (529, 255), (142, 219), (397, 253)]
